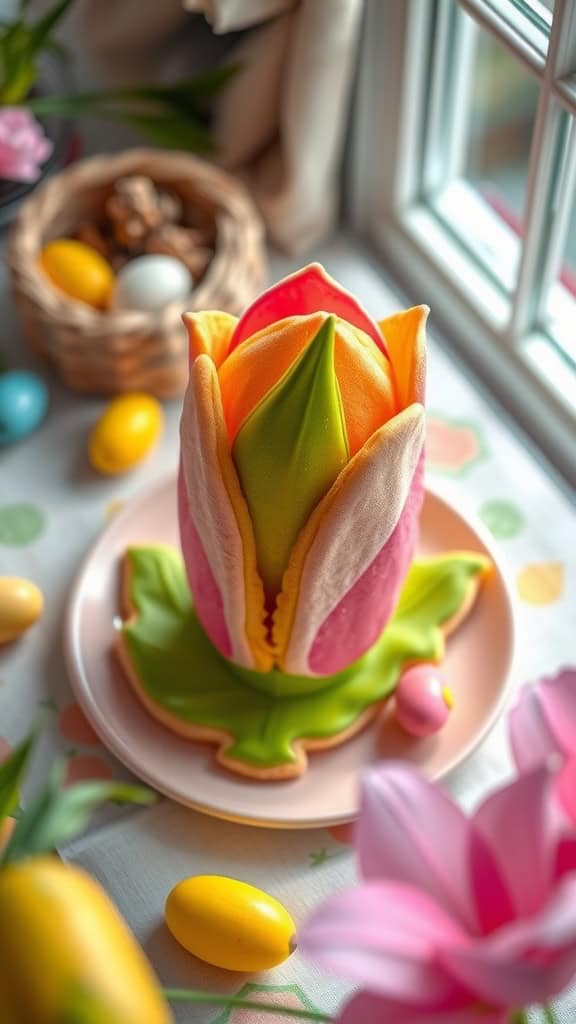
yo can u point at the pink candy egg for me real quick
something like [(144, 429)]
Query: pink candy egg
[(423, 701)]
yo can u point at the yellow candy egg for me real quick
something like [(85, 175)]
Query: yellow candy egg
[(229, 924), (78, 270), (125, 433), (21, 604)]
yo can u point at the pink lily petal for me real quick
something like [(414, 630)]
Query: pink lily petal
[(366, 1008), (385, 936), (566, 789), (307, 291), (558, 701), (565, 857), (532, 726), (494, 904), (410, 831), (526, 962), (520, 824)]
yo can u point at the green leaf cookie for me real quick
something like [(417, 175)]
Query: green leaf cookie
[(263, 720)]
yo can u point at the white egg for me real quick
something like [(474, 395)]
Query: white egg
[(150, 283)]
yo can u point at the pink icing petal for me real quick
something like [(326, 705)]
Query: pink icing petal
[(527, 961), (204, 497), (521, 826), (309, 290), (359, 618), (366, 1008), (410, 831), (385, 936), (207, 597)]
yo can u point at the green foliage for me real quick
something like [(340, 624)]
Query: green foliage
[(176, 115), (54, 814), (12, 771), (21, 44)]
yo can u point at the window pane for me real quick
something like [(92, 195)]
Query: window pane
[(503, 103), (491, 132), (561, 305), (530, 20), (538, 11)]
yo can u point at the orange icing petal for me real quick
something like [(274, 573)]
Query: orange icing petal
[(210, 332), (366, 386), (364, 374), (253, 369), (405, 334)]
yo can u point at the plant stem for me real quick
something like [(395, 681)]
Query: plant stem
[(549, 1015), (183, 995)]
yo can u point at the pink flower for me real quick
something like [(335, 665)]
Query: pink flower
[(543, 721), (456, 920), (23, 145), (543, 724)]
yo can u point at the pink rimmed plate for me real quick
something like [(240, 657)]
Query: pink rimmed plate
[(477, 667)]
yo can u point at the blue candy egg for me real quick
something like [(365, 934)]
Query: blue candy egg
[(23, 404)]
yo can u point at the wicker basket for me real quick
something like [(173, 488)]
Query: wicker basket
[(124, 350)]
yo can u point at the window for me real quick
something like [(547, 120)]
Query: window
[(464, 176)]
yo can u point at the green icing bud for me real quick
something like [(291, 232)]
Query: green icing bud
[(289, 452)]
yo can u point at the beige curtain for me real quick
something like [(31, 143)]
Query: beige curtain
[(281, 122)]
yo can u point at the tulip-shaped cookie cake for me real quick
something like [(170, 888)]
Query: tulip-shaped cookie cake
[(300, 485)]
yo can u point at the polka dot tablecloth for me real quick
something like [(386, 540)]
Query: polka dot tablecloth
[(52, 509)]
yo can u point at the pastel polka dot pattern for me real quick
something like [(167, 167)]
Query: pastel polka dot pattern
[(541, 583), (74, 726), (451, 446), (20, 524), (343, 833), (503, 519), (84, 768)]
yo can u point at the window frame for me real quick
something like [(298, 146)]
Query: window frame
[(498, 338)]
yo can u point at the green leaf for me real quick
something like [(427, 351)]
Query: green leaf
[(266, 713), (18, 70), (208, 84), (42, 29), (172, 131), (289, 452), (12, 771), (184, 995), (20, 46), (165, 128), (55, 815), (81, 1006), (187, 97), (59, 50)]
